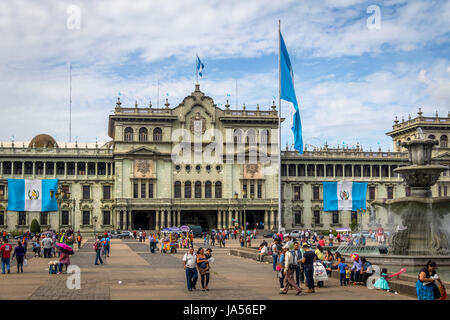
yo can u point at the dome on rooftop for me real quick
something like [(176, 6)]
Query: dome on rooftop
[(43, 140)]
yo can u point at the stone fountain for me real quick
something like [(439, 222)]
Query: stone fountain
[(424, 232)]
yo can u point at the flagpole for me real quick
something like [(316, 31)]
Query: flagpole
[(70, 103), (279, 127)]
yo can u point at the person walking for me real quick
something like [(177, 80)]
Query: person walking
[(190, 267), (47, 243), (106, 244), (289, 268), (6, 250), (297, 254), (342, 266), (152, 241), (203, 268), (79, 238), (20, 254), (98, 250), (276, 249), (308, 262)]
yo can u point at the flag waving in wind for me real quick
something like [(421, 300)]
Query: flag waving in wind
[(200, 66), (288, 94)]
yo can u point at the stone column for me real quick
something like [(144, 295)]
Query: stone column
[(157, 227), (219, 222), (86, 167), (34, 169), (230, 223), (272, 219), (266, 220), (163, 219), (178, 218), (169, 218)]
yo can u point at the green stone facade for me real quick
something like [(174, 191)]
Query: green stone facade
[(136, 181)]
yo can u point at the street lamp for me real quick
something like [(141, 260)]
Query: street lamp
[(244, 202), (95, 222), (60, 195)]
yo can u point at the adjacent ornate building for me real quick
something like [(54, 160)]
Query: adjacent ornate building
[(196, 164), (302, 176)]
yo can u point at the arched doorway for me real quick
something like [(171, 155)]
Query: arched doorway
[(204, 218), (141, 220)]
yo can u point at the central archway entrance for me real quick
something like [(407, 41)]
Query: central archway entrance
[(207, 219), (143, 220)]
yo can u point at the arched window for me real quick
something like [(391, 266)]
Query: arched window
[(237, 134), (143, 134), (264, 136), (177, 189), (128, 134), (218, 189), (157, 134), (432, 136), (208, 189), (187, 189), (251, 136), (198, 189), (444, 141)]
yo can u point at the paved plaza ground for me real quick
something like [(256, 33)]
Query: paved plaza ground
[(132, 272)]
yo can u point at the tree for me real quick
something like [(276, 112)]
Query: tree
[(353, 225), (35, 226)]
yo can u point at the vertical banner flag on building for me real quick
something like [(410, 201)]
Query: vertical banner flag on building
[(288, 94), (32, 195), (344, 195), (200, 67)]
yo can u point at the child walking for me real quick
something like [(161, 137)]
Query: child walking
[(343, 272)]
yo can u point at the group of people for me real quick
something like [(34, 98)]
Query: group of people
[(45, 244), (197, 263)]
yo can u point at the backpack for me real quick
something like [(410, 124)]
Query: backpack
[(95, 246), (79, 238)]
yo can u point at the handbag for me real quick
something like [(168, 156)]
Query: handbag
[(25, 262), (436, 292)]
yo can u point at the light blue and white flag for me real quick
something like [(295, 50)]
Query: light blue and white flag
[(200, 66), (344, 195), (288, 94), (32, 195)]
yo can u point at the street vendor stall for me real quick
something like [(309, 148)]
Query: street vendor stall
[(170, 240)]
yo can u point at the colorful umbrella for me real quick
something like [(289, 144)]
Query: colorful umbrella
[(65, 247)]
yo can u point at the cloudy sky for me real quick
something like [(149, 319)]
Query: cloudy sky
[(351, 79)]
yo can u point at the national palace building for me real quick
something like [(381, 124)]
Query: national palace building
[(140, 180)]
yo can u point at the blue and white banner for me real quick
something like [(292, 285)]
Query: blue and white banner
[(32, 195), (344, 195)]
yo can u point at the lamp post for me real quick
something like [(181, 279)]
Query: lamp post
[(60, 195), (94, 219), (244, 203)]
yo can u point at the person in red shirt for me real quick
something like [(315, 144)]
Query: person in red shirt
[(6, 250)]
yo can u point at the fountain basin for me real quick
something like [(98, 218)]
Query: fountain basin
[(424, 232), (421, 177)]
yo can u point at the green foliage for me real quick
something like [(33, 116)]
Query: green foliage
[(35, 226), (353, 225)]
